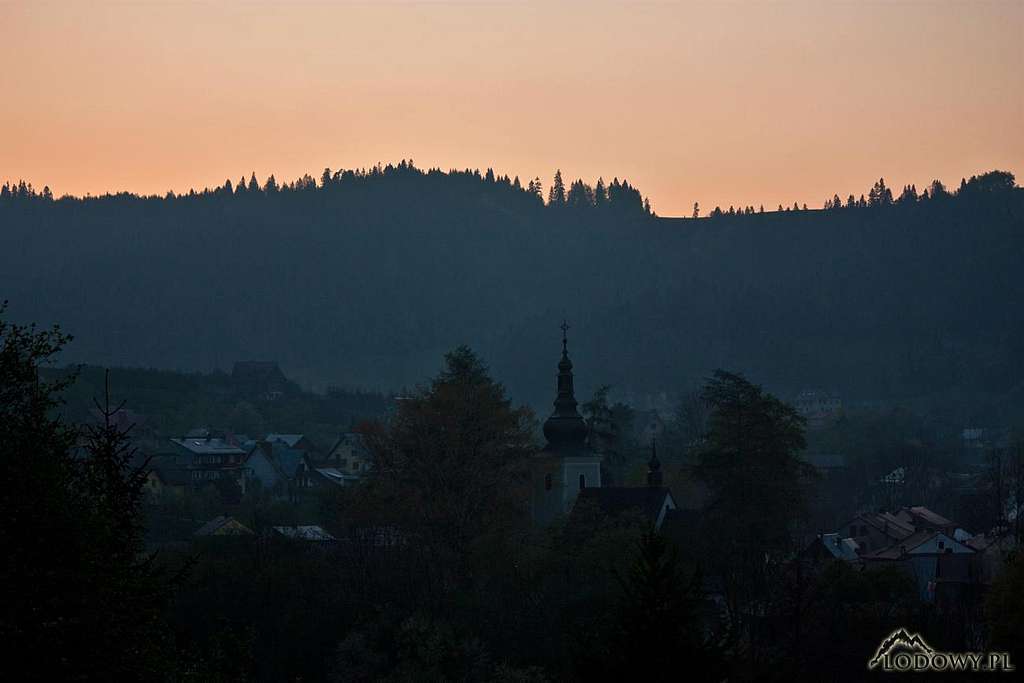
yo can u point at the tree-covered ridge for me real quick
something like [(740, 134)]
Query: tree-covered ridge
[(368, 282), (881, 196), (617, 197)]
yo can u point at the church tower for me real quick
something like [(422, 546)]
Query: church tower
[(566, 465)]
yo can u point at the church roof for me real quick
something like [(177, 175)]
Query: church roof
[(615, 501)]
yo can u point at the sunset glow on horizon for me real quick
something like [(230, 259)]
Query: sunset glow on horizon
[(716, 103)]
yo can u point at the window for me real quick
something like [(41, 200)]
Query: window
[(583, 481), (547, 482)]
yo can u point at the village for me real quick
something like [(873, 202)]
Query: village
[(219, 484)]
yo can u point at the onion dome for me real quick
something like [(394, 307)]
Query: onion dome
[(565, 429)]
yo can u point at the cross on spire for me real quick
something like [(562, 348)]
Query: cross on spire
[(565, 328)]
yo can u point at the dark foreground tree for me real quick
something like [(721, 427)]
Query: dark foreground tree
[(655, 632), (1004, 609), (749, 462), (450, 465), (76, 600)]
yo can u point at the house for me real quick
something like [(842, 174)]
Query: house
[(332, 476), (223, 526), (304, 533), (929, 556), (161, 481), (831, 547), (567, 465), (281, 470), (349, 455), (873, 531), (207, 459), (922, 518)]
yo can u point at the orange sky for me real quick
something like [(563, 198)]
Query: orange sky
[(721, 103)]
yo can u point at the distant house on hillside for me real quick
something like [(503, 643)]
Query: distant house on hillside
[(261, 380), (978, 442), (223, 526)]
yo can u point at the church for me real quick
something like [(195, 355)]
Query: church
[(568, 468), (566, 465)]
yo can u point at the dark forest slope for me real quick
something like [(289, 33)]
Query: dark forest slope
[(367, 281)]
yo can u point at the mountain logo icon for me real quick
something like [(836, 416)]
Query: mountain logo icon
[(899, 639)]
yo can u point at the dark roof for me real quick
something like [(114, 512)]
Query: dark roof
[(304, 533), (617, 500), (286, 460), (887, 523), (909, 544), (289, 439), (832, 546), (355, 439), (931, 517), (208, 446)]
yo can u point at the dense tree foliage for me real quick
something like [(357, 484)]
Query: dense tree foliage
[(750, 461), (451, 463), (78, 598)]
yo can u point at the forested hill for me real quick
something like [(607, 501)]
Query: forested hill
[(365, 279)]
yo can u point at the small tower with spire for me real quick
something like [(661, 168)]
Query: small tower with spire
[(566, 465), (654, 478)]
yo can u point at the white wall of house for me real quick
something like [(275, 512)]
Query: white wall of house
[(941, 543)]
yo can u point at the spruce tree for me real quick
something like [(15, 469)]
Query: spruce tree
[(557, 195)]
